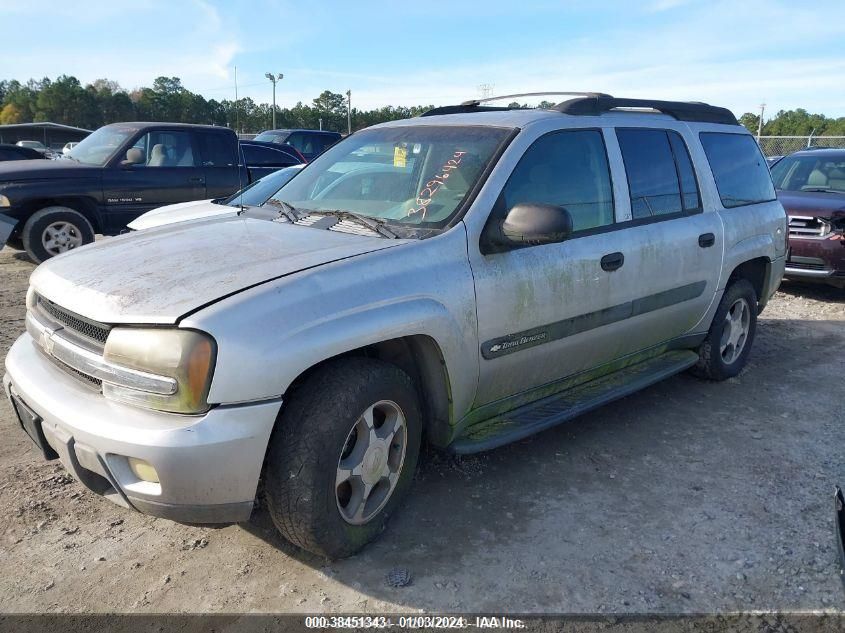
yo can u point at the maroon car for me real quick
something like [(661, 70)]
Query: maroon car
[(811, 186)]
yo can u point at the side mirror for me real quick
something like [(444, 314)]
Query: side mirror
[(134, 156), (533, 224)]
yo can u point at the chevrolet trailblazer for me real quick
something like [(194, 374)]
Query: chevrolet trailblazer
[(471, 276)]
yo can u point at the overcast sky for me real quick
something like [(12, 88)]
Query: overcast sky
[(732, 53)]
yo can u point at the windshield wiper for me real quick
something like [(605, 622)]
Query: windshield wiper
[(286, 209), (821, 190), (376, 225)]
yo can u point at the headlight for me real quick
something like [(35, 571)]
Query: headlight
[(4, 201), (186, 356), (824, 227)]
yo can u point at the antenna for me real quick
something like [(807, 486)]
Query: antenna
[(241, 159)]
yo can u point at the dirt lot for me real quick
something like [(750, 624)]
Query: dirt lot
[(686, 497)]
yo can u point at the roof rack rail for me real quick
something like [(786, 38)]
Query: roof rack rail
[(474, 105), (681, 110), (475, 102)]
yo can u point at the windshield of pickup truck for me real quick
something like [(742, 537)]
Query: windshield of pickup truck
[(825, 173), (419, 175), (99, 146)]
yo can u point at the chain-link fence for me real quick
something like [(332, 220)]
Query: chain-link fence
[(782, 145)]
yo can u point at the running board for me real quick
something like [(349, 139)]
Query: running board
[(553, 410)]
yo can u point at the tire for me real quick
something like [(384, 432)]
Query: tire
[(318, 436), (76, 231), (714, 361)]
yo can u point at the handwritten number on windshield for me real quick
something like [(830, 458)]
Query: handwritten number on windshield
[(427, 193)]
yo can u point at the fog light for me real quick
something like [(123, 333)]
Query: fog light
[(143, 470)]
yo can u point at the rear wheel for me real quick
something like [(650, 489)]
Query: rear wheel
[(343, 455), (53, 231), (725, 351)]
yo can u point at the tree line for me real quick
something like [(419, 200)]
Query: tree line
[(65, 100)]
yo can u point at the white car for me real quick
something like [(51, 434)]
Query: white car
[(253, 195), (69, 146)]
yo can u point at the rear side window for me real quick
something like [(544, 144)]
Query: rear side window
[(661, 180), (218, 150), (741, 174), (567, 169), (255, 155)]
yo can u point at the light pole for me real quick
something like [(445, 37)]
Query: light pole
[(349, 112), (274, 79), (760, 122)]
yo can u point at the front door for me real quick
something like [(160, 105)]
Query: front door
[(161, 168), (540, 308)]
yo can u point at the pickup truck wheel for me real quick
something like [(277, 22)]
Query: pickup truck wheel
[(725, 351), (53, 231), (343, 455)]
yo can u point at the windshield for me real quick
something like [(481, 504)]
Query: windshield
[(417, 175), (257, 193), (99, 146), (272, 137), (824, 172)]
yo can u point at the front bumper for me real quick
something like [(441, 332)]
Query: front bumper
[(817, 259), (208, 466)]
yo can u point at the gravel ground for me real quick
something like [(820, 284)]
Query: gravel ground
[(686, 497)]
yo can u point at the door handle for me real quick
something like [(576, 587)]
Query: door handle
[(612, 261), (706, 240), (198, 179)]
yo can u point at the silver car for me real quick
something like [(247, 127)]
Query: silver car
[(471, 276)]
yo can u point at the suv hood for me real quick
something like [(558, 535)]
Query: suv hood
[(159, 275), (14, 170), (812, 203), (181, 212)]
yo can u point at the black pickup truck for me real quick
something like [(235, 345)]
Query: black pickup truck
[(119, 172)]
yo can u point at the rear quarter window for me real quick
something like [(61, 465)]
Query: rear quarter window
[(739, 169)]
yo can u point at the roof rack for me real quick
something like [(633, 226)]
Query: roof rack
[(681, 110), (595, 103), (474, 105)]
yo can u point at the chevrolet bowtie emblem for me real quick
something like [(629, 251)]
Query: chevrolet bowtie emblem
[(46, 341)]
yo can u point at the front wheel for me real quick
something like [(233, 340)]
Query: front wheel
[(343, 455), (53, 231), (725, 351)]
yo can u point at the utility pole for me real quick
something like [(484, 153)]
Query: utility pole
[(760, 122), (349, 112), (274, 79)]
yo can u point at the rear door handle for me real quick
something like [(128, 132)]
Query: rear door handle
[(199, 179), (705, 240), (612, 261)]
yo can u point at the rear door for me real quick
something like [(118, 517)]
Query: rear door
[(220, 163), (672, 246), (169, 172)]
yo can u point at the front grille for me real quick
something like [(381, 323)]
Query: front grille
[(79, 325), (803, 266), (805, 226), (94, 383)]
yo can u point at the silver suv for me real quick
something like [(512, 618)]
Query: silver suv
[(471, 276)]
